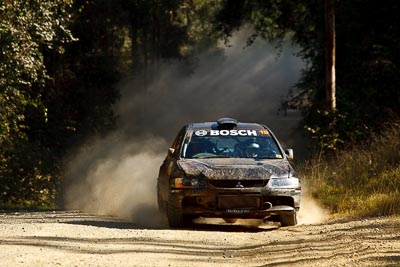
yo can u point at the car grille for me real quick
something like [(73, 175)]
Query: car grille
[(238, 183), (239, 202)]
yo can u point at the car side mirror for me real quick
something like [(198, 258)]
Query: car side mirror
[(289, 153), (171, 151)]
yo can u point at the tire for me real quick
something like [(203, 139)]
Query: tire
[(174, 212), (162, 206), (289, 219)]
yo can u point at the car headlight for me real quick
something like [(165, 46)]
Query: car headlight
[(188, 183), (284, 183)]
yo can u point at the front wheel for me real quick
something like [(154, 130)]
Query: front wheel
[(162, 205), (289, 219), (174, 212)]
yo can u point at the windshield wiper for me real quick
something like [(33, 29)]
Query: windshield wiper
[(211, 156)]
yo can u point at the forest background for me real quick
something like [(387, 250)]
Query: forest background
[(61, 62)]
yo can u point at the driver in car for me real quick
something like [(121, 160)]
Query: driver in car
[(252, 150)]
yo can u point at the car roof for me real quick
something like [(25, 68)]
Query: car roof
[(225, 123)]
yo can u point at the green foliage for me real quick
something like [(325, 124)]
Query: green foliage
[(367, 60), (367, 70), (196, 18), (335, 130), (326, 132), (26, 28), (60, 63), (275, 20), (363, 180)]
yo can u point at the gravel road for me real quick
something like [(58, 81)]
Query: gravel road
[(65, 238)]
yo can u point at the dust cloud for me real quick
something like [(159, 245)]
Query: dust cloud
[(117, 174), (115, 177), (310, 211)]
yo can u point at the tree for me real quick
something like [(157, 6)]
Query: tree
[(60, 63), (26, 29), (366, 61), (330, 55)]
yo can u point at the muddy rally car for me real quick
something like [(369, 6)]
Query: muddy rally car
[(228, 169)]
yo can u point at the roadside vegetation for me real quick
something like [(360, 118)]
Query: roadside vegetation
[(361, 181), (61, 63)]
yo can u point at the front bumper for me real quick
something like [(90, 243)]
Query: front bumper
[(257, 203)]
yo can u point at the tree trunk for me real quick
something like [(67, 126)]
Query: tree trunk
[(330, 98)]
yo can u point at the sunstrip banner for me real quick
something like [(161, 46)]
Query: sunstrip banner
[(228, 132)]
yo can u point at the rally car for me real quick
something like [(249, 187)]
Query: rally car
[(228, 169)]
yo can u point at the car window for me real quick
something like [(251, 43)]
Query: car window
[(230, 144), (179, 138)]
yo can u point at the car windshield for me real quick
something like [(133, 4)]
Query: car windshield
[(231, 144)]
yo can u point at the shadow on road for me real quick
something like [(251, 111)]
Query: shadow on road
[(112, 222), (106, 224), (210, 225)]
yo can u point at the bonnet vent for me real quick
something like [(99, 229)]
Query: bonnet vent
[(227, 122)]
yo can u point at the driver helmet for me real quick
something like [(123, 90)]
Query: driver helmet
[(252, 150)]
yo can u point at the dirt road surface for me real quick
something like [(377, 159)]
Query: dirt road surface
[(65, 238)]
